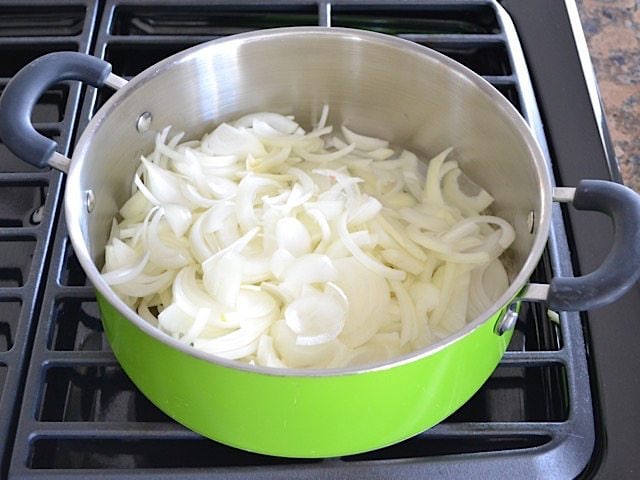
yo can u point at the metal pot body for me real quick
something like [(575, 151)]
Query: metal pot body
[(381, 86)]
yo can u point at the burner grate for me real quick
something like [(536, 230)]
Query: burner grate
[(29, 198), (199, 20), (35, 20), (84, 417)]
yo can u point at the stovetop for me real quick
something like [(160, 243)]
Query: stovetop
[(559, 405)]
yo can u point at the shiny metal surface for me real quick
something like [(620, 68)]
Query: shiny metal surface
[(144, 122), (378, 85), (508, 320), (115, 82), (563, 194), (90, 201), (536, 292), (59, 162), (531, 221)]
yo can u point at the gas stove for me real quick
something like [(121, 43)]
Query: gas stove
[(562, 403)]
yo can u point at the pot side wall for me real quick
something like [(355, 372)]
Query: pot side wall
[(305, 416)]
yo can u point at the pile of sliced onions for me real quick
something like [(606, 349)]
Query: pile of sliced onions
[(271, 245)]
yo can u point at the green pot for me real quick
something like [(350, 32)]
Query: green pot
[(311, 414), (391, 88)]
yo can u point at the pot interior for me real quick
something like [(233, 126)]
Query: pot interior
[(375, 84)]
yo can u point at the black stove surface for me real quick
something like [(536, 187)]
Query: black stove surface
[(558, 406), (577, 134)]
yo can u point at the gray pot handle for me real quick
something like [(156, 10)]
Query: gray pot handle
[(621, 268), (25, 88)]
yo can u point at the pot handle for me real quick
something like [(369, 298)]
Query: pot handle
[(621, 268), (23, 91)]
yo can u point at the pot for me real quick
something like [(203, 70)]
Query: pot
[(389, 88)]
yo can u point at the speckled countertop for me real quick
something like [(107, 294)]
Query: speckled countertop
[(612, 29)]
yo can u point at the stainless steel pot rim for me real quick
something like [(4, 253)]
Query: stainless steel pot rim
[(422, 53)]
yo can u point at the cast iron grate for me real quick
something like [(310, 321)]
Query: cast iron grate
[(29, 198), (84, 417)]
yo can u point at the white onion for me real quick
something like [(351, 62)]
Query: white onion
[(178, 217), (292, 235), (432, 193), (366, 260), (308, 269), (279, 123), (229, 140), (267, 244), (222, 278), (369, 299), (363, 142), (266, 354), (127, 273), (163, 184), (315, 318)]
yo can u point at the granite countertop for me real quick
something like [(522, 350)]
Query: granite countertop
[(612, 29)]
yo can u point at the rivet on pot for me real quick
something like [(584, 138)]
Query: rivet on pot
[(144, 122), (531, 221), (36, 216), (90, 200), (508, 320)]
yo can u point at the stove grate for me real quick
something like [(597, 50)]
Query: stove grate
[(84, 417), (29, 198)]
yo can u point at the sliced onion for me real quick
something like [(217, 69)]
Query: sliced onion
[(323, 117), (279, 123), (408, 314), (222, 278), (366, 211), (363, 258), (120, 255), (178, 217), (145, 285), (198, 326), (402, 261), (307, 269), (402, 240), (273, 246), (302, 356), (280, 262), (188, 292), (324, 157), (245, 197), (268, 162), (363, 142), (468, 204), (315, 318), (237, 344), (253, 304), (174, 320), (144, 312), (369, 301), (432, 193), (508, 234), (126, 274), (229, 140), (163, 185), (266, 354), (325, 229), (423, 220), (135, 209), (166, 255)]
